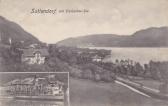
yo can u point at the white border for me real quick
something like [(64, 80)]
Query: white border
[(32, 72)]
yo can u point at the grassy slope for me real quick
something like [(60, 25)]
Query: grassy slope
[(88, 93)]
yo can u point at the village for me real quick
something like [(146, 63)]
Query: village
[(81, 63)]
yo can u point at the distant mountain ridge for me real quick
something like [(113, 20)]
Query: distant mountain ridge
[(150, 37), (11, 30)]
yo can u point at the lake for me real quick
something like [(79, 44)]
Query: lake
[(142, 55)]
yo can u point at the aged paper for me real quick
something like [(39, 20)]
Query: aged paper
[(83, 53)]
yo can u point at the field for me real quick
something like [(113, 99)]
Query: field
[(88, 93)]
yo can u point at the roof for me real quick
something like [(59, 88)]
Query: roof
[(30, 52), (96, 57), (16, 81), (43, 81), (28, 81)]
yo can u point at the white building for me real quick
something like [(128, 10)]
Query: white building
[(34, 56)]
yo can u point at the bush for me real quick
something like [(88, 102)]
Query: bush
[(87, 74), (74, 72)]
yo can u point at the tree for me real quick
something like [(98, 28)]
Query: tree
[(154, 69), (87, 74), (106, 76), (15, 51), (139, 69), (163, 69)]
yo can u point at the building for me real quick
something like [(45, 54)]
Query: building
[(96, 58), (33, 87), (34, 56)]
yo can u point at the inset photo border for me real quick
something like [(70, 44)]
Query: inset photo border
[(34, 88)]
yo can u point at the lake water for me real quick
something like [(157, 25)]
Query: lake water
[(29, 103), (142, 55)]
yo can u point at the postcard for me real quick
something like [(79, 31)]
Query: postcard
[(83, 53)]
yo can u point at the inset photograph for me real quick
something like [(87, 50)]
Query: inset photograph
[(34, 89)]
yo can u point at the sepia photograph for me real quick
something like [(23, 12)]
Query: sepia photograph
[(83, 53)]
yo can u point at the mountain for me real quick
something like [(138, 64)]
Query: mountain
[(150, 37), (11, 30)]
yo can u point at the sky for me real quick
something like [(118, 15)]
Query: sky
[(123, 17)]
